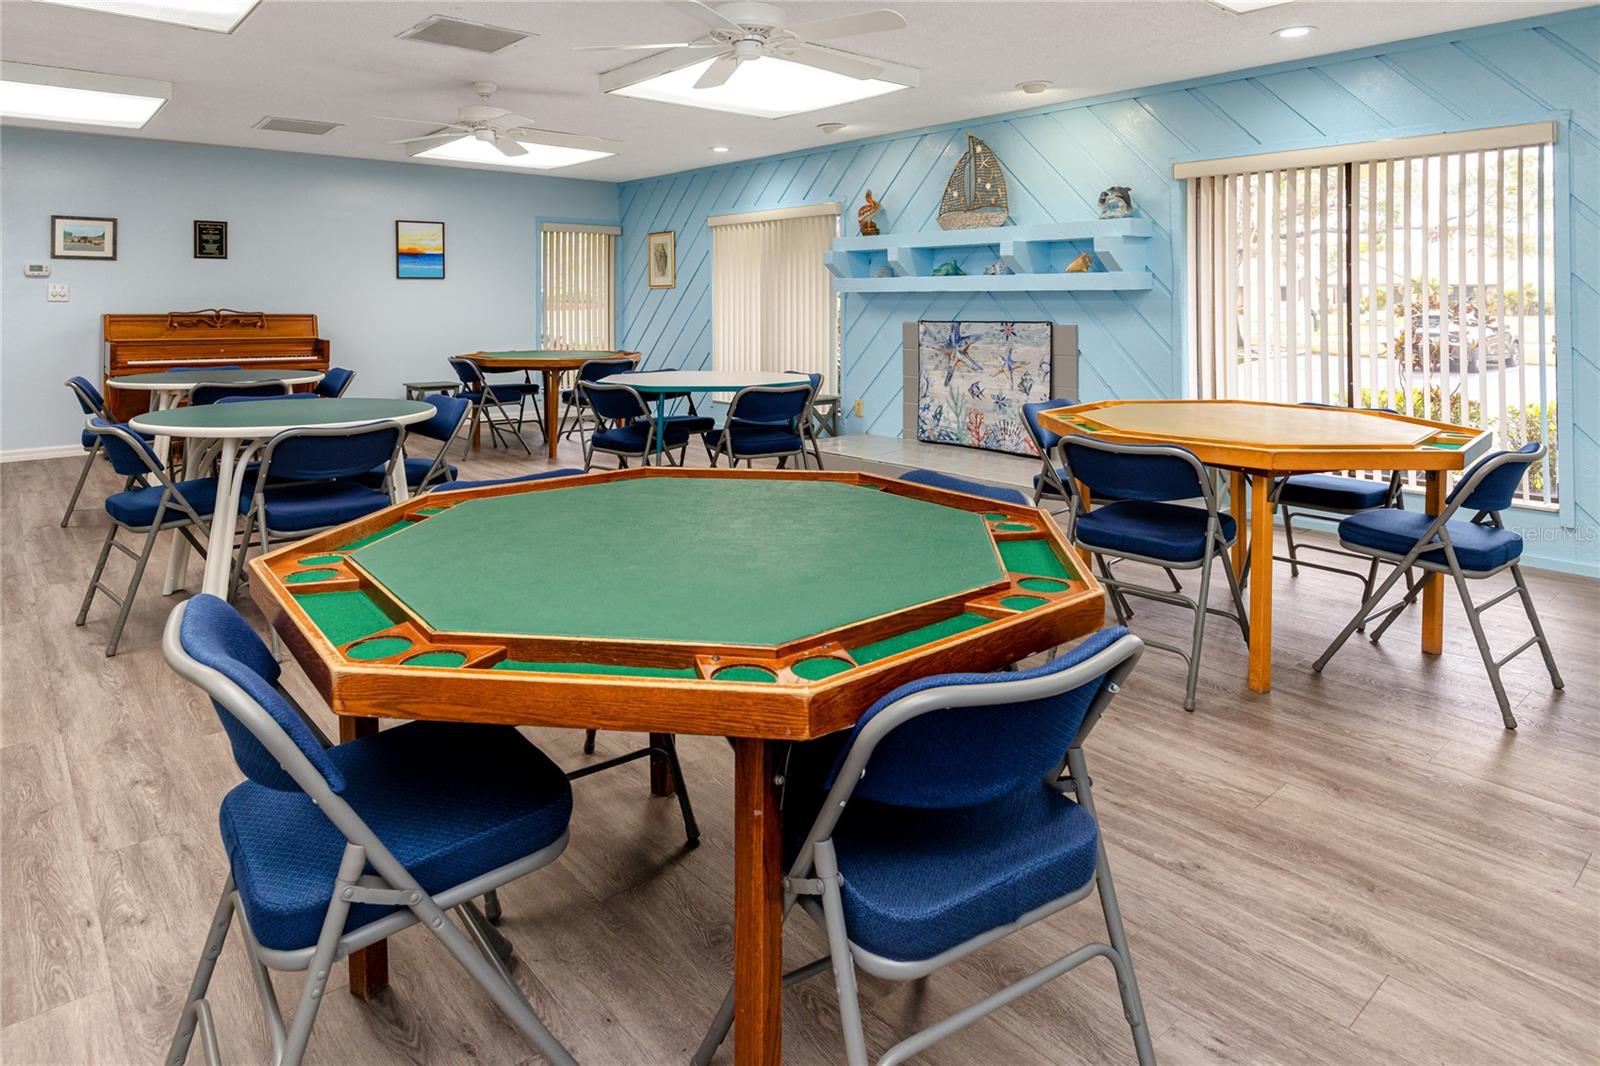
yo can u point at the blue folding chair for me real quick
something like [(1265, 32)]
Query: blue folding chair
[(333, 849), (572, 400), (957, 812), (307, 481), (451, 486), (937, 480), (209, 392), (1050, 481), (808, 421), (150, 502), (764, 422), (491, 403), (631, 428), (1477, 548), (444, 425), (93, 405), (335, 382), (1144, 524)]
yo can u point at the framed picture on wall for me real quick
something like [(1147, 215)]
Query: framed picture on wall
[(210, 239), (82, 237), (419, 249), (663, 253)]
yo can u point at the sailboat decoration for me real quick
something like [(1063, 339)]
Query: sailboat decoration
[(976, 193)]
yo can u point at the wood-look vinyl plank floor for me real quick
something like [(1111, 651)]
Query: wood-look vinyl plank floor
[(1361, 866)]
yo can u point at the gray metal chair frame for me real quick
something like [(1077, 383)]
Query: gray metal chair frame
[(814, 879), (725, 441), (257, 515), (171, 501), (648, 450), (577, 406), (390, 884), (1437, 538), (1217, 546), (440, 470), (93, 453), (1328, 514), (489, 406), (809, 420)]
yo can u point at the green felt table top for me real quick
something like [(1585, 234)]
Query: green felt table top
[(681, 559), (176, 378), (653, 381), (269, 416)]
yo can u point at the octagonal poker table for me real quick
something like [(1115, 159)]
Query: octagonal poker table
[(760, 605)]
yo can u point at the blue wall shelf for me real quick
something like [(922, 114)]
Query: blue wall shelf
[(1037, 256)]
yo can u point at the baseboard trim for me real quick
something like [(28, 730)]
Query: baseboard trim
[(57, 451)]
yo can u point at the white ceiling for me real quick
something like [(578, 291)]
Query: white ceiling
[(341, 62)]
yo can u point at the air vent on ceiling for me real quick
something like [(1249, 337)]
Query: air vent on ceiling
[(458, 33), (297, 125)]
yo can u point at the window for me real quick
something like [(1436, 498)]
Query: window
[(772, 303), (579, 279), (1417, 275)]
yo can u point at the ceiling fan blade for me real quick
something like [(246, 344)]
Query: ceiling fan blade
[(437, 138), (509, 121), (708, 15), (421, 121), (828, 59), (509, 147), (644, 47), (878, 21), (718, 72)]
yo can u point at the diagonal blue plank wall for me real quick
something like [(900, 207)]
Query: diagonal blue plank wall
[(1058, 159)]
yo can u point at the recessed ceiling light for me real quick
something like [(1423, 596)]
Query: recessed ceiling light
[(219, 16), (719, 148), (765, 87), (1244, 7), (80, 97), (1034, 88), (830, 128), (564, 151), (1289, 33)]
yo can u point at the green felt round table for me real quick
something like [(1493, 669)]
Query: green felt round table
[(256, 418)]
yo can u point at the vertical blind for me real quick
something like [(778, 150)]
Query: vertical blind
[(772, 303), (1423, 283), (579, 286)]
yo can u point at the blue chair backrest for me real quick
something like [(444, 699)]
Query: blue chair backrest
[(448, 413), (937, 480), (1043, 439), (595, 369), (1125, 472), (273, 396), (1495, 491), (216, 635), (130, 455), (204, 394), (87, 395), (963, 756), (614, 402), (335, 381), (773, 405), (304, 456), (469, 373)]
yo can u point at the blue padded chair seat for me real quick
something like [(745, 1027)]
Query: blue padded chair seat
[(632, 437), (938, 480), (88, 438), (452, 801), (1167, 531), (755, 439), (451, 486), (1334, 493), (1049, 489), (1390, 530), (692, 423), (416, 469), (917, 882), (137, 507), (291, 508)]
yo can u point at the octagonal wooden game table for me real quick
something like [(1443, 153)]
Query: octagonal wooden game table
[(1260, 442), (711, 602), (550, 363)]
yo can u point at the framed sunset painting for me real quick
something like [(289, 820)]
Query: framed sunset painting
[(418, 249)]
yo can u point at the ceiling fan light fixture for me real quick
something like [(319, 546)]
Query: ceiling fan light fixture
[(764, 87), (538, 155)]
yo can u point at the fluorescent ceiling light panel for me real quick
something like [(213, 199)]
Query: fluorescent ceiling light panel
[(219, 16), (468, 149), (79, 97), (1244, 7), (765, 87)]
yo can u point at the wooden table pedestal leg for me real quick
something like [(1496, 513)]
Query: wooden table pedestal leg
[(369, 966), (1238, 496), (661, 782), (1433, 584), (757, 908), (552, 395), (1260, 585)]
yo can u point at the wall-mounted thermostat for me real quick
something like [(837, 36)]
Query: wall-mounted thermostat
[(36, 270)]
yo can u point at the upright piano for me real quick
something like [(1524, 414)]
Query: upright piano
[(142, 344)]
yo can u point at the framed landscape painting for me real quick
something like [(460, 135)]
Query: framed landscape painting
[(80, 237), (419, 250), (974, 377)]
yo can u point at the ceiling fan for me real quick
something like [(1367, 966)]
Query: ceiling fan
[(740, 31), (484, 121)]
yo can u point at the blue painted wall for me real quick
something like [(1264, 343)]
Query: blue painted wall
[(306, 233), (1058, 159)]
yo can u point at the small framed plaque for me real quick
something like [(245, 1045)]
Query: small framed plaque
[(210, 239)]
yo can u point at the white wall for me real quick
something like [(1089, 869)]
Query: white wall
[(306, 233)]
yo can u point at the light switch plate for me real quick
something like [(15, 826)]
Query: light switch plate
[(57, 293)]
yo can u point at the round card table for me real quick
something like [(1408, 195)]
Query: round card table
[(549, 363), (733, 613), (167, 387), (241, 429), (665, 384), (1260, 442)]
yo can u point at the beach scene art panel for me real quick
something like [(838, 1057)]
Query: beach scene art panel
[(974, 377), (419, 249)]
